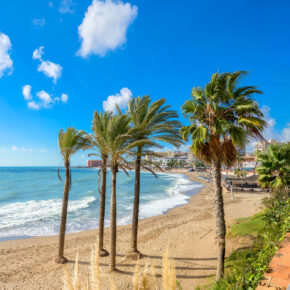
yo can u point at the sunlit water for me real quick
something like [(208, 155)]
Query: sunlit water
[(31, 199)]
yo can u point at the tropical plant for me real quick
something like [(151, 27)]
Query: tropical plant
[(120, 143), (198, 163), (152, 123), (248, 265), (238, 172), (222, 116), (171, 163), (274, 168), (240, 159), (69, 142), (98, 140)]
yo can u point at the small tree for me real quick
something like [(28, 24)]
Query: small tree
[(98, 141), (69, 142), (274, 168)]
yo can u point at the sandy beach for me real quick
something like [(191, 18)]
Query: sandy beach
[(188, 232)]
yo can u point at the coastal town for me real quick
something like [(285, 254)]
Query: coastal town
[(172, 160)]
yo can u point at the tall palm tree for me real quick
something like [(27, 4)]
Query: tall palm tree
[(69, 142), (274, 168), (119, 144), (98, 140), (222, 116), (152, 122)]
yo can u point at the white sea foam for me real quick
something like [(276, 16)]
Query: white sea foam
[(20, 213), (176, 197)]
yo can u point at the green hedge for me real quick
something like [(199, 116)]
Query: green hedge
[(252, 263)]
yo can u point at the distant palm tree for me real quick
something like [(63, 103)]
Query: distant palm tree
[(274, 168), (238, 172), (222, 116), (152, 122), (98, 140), (69, 142), (119, 144), (240, 159)]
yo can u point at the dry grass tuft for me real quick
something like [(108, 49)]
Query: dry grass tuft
[(168, 273), (145, 280), (67, 280), (95, 269)]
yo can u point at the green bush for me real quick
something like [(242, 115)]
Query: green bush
[(251, 264)]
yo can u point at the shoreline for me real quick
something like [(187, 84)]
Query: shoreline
[(187, 193), (187, 231)]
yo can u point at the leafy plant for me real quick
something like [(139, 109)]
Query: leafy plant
[(249, 265), (274, 169)]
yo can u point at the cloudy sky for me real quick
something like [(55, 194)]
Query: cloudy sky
[(60, 60)]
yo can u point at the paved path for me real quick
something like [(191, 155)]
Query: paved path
[(278, 276)]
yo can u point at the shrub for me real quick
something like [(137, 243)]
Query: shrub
[(253, 263)]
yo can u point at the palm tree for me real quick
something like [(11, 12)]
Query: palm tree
[(240, 159), (152, 123), (69, 142), (238, 172), (98, 140), (274, 168), (119, 143), (222, 116)]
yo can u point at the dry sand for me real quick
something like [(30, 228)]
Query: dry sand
[(188, 232)]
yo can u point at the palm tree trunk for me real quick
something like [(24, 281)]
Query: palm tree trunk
[(220, 217), (61, 259), (102, 251), (135, 219), (113, 242)]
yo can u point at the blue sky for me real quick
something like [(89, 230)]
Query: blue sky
[(90, 50)]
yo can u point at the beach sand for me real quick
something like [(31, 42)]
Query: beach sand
[(188, 232)]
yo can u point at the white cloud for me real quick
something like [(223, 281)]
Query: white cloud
[(43, 100), (50, 4), (26, 91), (64, 98), (66, 6), (285, 136), (269, 130), (270, 133), (33, 105), (43, 150), (49, 68), (6, 63), (38, 21), (38, 52), (104, 26), (121, 99), (15, 148)]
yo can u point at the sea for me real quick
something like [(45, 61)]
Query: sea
[(31, 199)]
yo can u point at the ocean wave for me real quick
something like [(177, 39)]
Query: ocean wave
[(177, 197), (20, 213), (42, 217)]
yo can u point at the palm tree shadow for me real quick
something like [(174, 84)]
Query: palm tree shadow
[(178, 268), (85, 263), (177, 276), (175, 258)]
